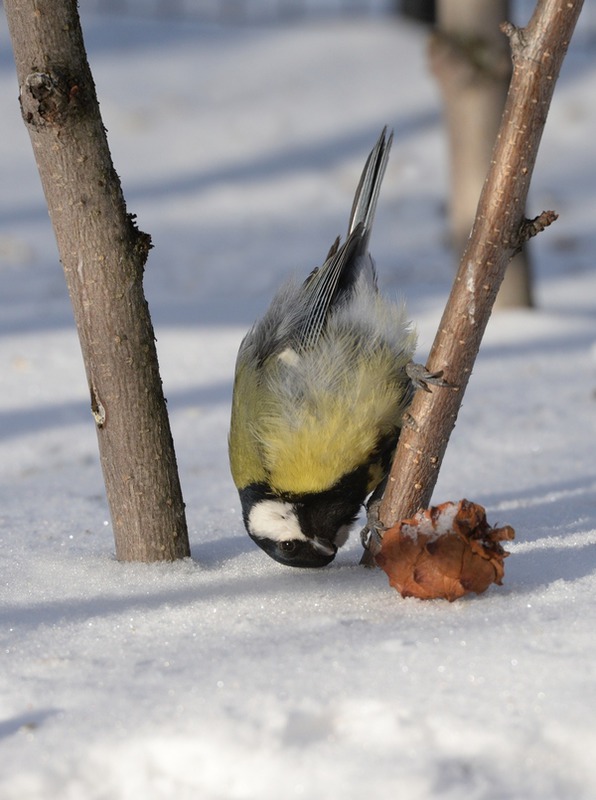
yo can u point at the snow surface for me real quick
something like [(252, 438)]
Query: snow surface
[(227, 675)]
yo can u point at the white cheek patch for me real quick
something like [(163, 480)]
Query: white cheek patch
[(274, 519)]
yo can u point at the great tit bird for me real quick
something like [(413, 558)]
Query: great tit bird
[(321, 386)]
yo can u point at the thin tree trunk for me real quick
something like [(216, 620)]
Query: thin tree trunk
[(499, 230), (471, 61), (103, 255)]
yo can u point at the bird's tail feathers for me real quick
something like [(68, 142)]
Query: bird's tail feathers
[(367, 193)]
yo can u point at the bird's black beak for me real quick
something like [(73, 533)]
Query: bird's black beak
[(298, 553)]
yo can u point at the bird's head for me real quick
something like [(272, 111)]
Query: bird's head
[(297, 532)]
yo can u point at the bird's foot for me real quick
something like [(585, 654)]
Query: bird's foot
[(421, 377), (372, 532)]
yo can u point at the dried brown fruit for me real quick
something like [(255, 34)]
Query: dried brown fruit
[(444, 551)]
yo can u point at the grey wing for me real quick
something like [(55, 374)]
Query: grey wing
[(326, 285)]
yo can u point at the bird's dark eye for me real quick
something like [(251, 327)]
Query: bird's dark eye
[(287, 547)]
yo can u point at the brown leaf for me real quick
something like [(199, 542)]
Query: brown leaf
[(444, 551)]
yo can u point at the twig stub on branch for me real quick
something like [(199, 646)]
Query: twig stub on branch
[(517, 38), (532, 227)]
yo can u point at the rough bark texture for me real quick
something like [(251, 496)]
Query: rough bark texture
[(103, 255), (470, 59), (499, 230)]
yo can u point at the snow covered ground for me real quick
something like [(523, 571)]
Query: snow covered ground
[(229, 676)]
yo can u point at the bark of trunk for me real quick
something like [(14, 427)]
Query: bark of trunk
[(470, 58), (103, 255)]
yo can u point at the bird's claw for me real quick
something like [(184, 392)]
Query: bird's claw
[(373, 531), (421, 377)]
